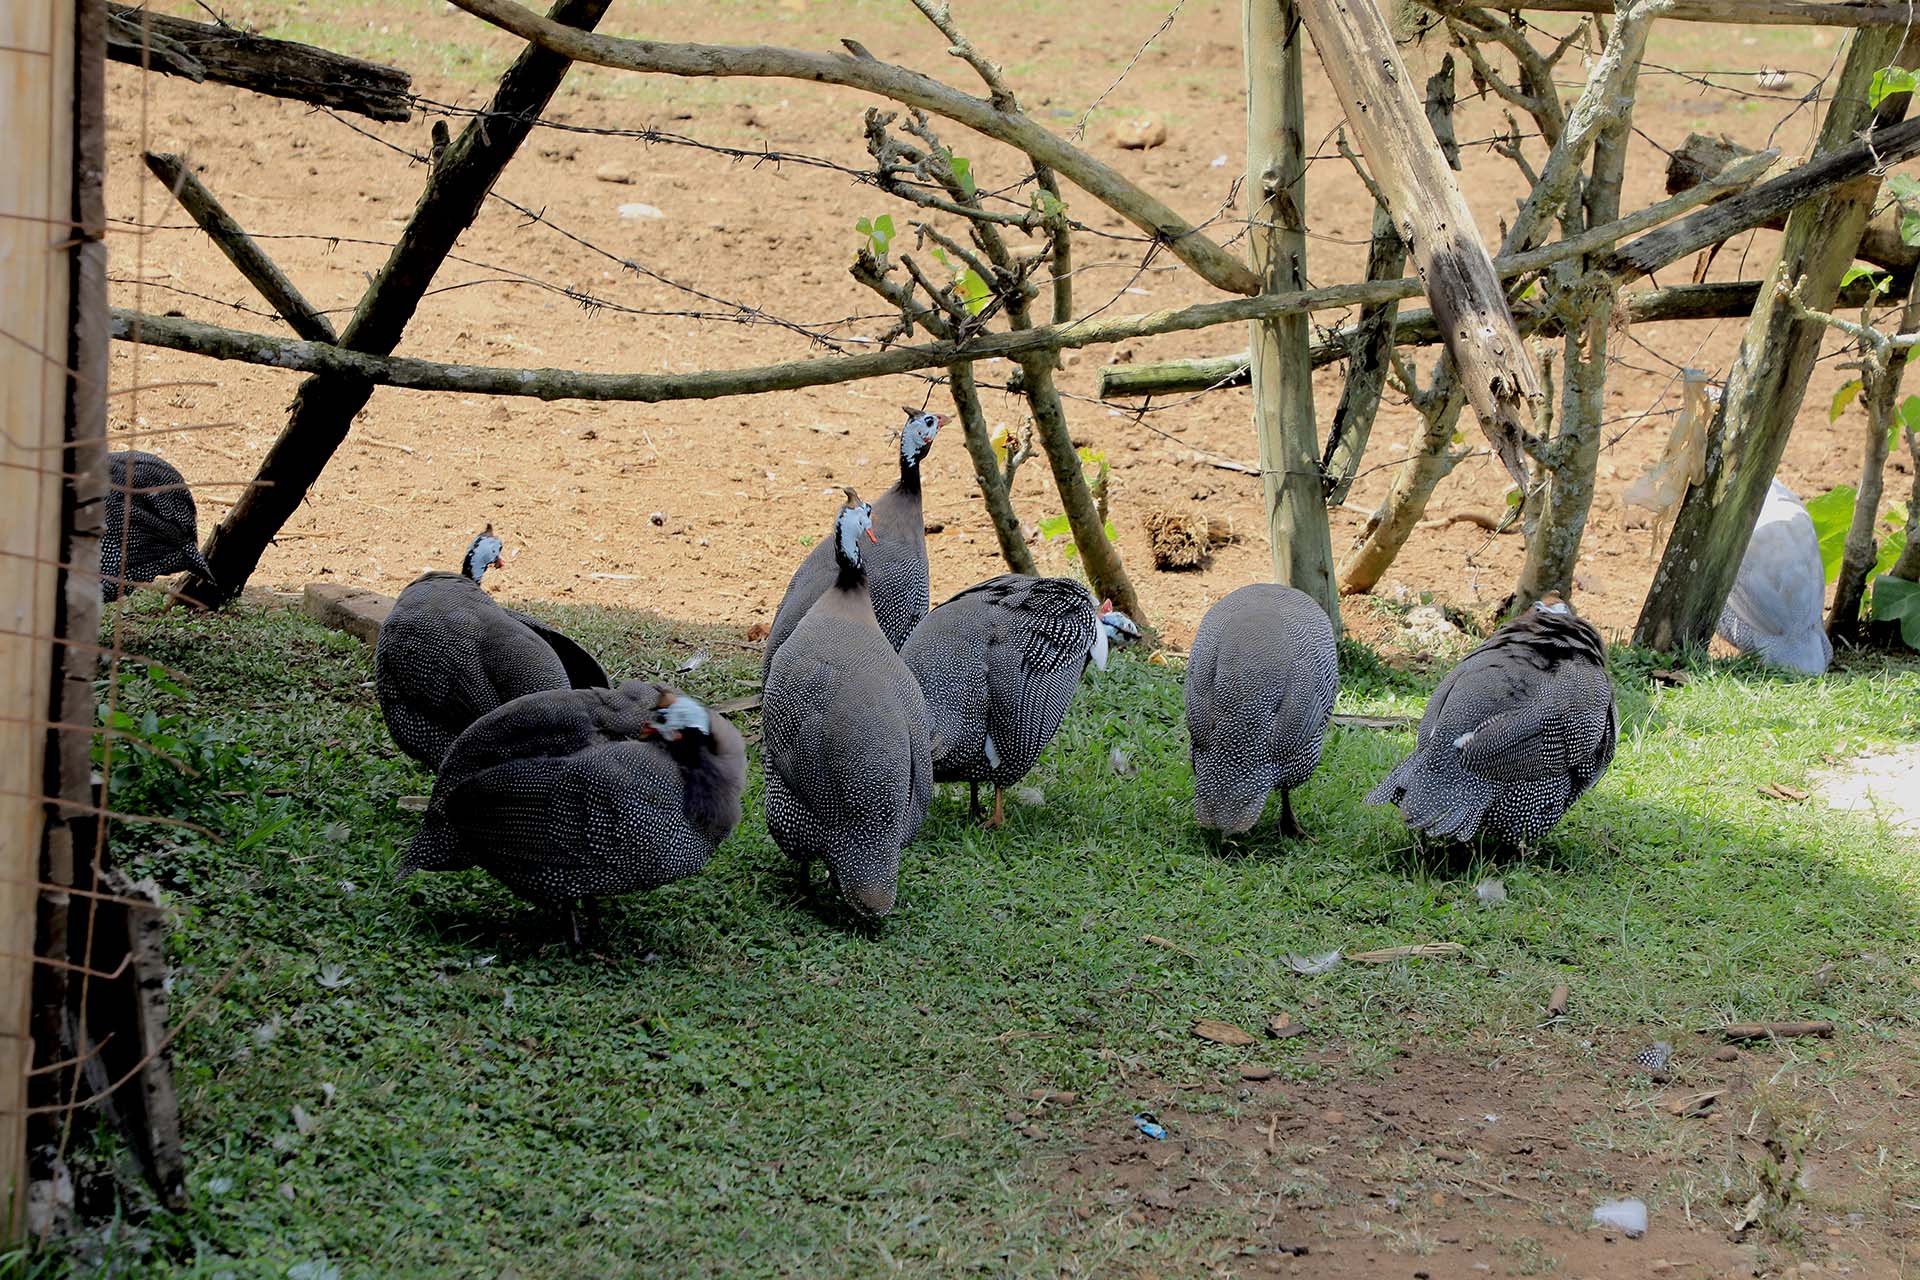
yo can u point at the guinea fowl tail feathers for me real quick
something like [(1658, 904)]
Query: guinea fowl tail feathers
[(198, 563), (1434, 795)]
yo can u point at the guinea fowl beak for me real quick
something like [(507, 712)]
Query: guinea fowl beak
[(870, 538), (872, 900), (942, 419)]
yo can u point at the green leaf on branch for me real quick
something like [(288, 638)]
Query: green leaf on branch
[(1055, 526), (1898, 601), (962, 170), (878, 231), (1846, 395), (1888, 81), (1908, 417), (1832, 513), (974, 291)]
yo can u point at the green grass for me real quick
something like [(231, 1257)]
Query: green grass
[(742, 1084)]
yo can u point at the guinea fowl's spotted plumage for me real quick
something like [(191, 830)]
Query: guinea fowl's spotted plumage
[(1775, 605), (998, 664), (1260, 688), (151, 527), (578, 793), (1513, 735), (896, 568), (448, 654), (848, 769)]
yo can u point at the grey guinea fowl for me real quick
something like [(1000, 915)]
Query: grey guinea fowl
[(849, 770), (1260, 688), (448, 653), (151, 526), (1513, 735), (577, 794), (1774, 608), (998, 664), (896, 568)]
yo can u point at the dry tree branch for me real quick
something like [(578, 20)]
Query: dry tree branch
[(860, 70)]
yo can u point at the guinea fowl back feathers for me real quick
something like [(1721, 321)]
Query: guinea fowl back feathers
[(1514, 734), (151, 525)]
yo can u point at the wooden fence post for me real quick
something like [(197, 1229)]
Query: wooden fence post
[(1769, 376), (36, 265), (1282, 366)]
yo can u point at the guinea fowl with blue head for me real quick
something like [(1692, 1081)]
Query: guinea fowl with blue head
[(896, 566), (999, 663), (448, 653), (849, 769), (577, 794), (1514, 734)]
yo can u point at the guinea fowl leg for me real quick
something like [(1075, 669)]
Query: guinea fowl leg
[(999, 808), (1289, 825), (973, 800)]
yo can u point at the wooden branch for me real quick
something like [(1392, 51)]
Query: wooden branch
[(1289, 451), (203, 51), (1775, 1030), (571, 384), (324, 408), (240, 248), (1359, 55), (1761, 13), (860, 71), (1701, 156), (1769, 200)]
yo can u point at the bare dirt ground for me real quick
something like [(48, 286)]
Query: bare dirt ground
[(741, 486), (1490, 1162)]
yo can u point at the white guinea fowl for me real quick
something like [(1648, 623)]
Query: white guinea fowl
[(1774, 608)]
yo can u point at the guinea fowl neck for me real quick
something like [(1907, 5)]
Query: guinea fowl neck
[(909, 474), (704, 790)]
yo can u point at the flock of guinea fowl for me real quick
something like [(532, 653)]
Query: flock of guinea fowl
[(569, 789)]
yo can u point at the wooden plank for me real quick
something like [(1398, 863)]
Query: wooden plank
[(1360, 57), (1296, 509), (1777, 13), (203, 51), (36, 193)]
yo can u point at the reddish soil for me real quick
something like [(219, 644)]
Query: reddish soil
[(1463, 1164), (742, 484)]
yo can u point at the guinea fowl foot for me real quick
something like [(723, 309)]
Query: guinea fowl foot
[(999, 815), (1290, 825)]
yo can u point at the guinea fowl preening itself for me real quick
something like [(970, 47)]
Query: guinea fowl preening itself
[(998, 664), (1774, 608), (1513, 735), (895, 567), (1261, 681), (151, 526), (449, 653), (849, 770), (577, 794)]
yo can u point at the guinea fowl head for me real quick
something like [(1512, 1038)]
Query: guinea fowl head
[(1115, 628), (854, 522), (916, 438), (483, 555), (676, 715), (1554, 602)]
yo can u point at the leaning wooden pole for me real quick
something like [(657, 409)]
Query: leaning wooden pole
[(37, 253), (1769, 375), (1282, 366), (325, 406), (1359, 56)]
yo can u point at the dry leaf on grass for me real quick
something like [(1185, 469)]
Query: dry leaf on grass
[(1282, 1026), (1221, 1032), (1697, 1104), (1780, 791)]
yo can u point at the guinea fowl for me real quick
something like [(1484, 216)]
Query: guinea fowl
[(1513, 735), (1260, 688), (848, 768), (574, 794), (1774, 607), (998, 664), (449, 653), (151, 525), (896, 568)]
